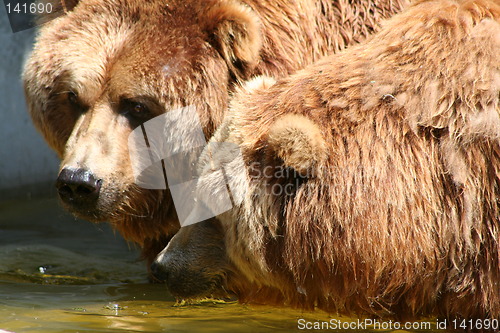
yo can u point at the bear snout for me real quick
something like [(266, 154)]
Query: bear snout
[(194, 264), (159, 272), (182, 279), (78, 188)]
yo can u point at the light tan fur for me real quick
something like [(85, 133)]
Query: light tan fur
[(402, 219), (298, 142)]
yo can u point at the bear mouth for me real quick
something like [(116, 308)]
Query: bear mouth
[(90, 204), (195, 287), (93, 212)]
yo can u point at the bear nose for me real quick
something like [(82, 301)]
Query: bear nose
[(78, 186), (159, 272)]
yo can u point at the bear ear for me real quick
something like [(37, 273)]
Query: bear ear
[(257, 85), (234, 30), (298, 141)]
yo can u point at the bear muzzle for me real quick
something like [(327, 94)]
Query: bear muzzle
[(194, 264)]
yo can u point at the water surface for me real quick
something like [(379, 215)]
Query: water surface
[(60, 274)]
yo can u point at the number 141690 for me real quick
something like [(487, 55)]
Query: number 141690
[(475, 324), (32, 8)]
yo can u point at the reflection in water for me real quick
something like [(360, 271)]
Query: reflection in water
[(58, 274), (48, 264)]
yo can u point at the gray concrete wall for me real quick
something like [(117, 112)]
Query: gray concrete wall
[(27, 166)]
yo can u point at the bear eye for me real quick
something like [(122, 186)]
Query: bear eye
[(135, 110), (74, 101), (73, 98), (138, 110)]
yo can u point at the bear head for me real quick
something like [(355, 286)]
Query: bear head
[(103, 68)]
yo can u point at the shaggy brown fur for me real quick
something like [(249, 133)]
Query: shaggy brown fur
[(402, 215), (91, 68)]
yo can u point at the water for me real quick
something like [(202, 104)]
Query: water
[(59, 274)]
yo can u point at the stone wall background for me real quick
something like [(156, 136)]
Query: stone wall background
[(28, 167)]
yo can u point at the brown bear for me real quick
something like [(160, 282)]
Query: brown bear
[(105, 67), (369, 182)]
